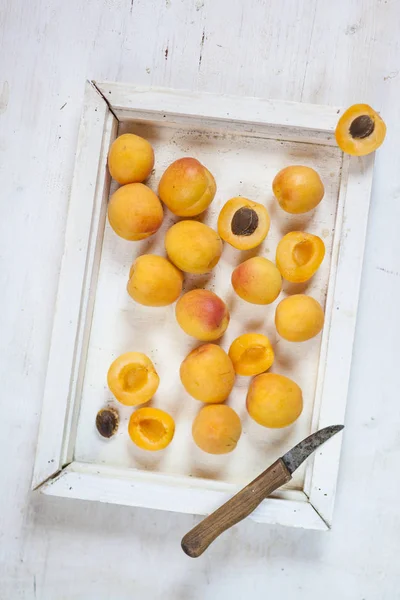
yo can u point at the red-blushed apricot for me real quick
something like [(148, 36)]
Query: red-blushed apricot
[(242, 223), (217, 429), (154, 281), (360, 130), (107, 421), (193, 247), (130, 159), (187, 187), (202, 314), (207, 374), (299, 318), (257, 280), (151, 428), (299, 255), (298, 189), (274, 400), (132, 378), (135, 212), (251, 354)]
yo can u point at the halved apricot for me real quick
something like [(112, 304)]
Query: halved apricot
[(217, 429), (132, 378), (202, 314), (207, 374), (151, 428), (360, 130), (242, 223), (299, 318), (299, 255), (131, 159), (274, 400), (251, 354), (298, 189), (257, 280), (154, 281)]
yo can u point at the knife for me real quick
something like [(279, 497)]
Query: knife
[(244, 502)]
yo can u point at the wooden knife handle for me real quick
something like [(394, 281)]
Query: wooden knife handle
[(237, 508)]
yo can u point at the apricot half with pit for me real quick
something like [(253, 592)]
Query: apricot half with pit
[(151, 428), (154, 281), (360, 130), (132, 378), (299, 318), (251, 354), (135, 212), (217, 429), (299, 255), (242, 223), (130, 159), (202, 314), (298, 189), (257, 280), (193, 247), (274, 400), (207, 374)]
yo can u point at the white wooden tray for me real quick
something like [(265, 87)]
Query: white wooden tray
[(244, 142)]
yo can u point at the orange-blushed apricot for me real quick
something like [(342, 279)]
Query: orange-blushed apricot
[(135, 212), (154, 281), (360, 130), (257, 280), (242, 223), (132, 378), (299, 318), (217, 429), (299, 255), (151, 428), (130, 159), (207, 374), (202, 314), (251, 354), (193, 247), (107, 421), (298, 189), (274, 400)]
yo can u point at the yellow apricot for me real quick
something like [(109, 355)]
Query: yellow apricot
[(130, 159), (135, 212), (360, 130), (202, 314), (154, 281), (257, 280), (299, 318), (242, 223), (151, 428), (193, 247), (132, 378), (274, 400), (217, 429), (207, 374), (251, 354), (299, 255), (298, 189)]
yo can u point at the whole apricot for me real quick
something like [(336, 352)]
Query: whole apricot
[(154, 281), (217, 429), (299, 318), (207, 374), (202, 314), (251, 354), (193, 247), (187, 187), (130, 159), (274, 400), (151, 428), (299, 255), (132, 378), (135, 212), (360, 130), (298, 189), (257, 280), (242, 223)]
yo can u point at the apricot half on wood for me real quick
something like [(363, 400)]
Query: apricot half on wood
[(298, 189), (193, 247), (299, 255), (207, 374), (274, 400), (243, 224), (360, 130), (217, 429), (130, 159), (251, 354), (132, 378), (154, 281), (187, 187), (299, 318), (257, 280), (135, 212), (151, 428), (202, 314)]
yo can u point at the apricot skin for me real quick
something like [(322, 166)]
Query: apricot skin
[(299, 255), (257, 280), (151, 428), (193, 247), (274, 400), (135, 212), (202, 314), (130, 159), (217, 429), (154, 281), (132, 378), (298, 189), (207, 374), (251, 354), (299, 318), (187, 187), (225, 219)]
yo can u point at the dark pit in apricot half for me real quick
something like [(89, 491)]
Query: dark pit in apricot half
[(360, 130), (107, 421), (242, 223)]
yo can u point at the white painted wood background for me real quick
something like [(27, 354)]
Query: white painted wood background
[(315, 51)]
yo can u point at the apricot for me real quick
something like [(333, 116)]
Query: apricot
[(360, 130), (193, 247), (251, 354), (274, 400), (217, 429), (132, 378), (187, 187), (299, 318), (299, 255), (154, 281), (298, 189), (207, 374), (257, 280), (135, 212), (242, 223), (202, 314), (130, 159), (151, 428)]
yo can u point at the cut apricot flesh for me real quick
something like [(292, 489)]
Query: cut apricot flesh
[(132, 378)]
